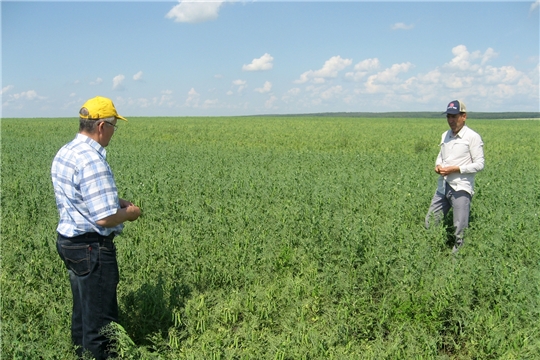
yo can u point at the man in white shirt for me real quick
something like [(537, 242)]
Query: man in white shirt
[(460, 157)]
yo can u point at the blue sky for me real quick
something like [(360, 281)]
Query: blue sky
[(228, 58)]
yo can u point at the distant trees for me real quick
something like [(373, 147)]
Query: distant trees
[(422, 115)]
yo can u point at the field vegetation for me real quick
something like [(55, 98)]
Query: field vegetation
[(283, 238)]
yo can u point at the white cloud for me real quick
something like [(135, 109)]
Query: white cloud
[(290, 95), (363, 68), (27, 95), (330, 69), (461, 58), (210, 103), (402, 26), (117, 82), (270, 102), (504, 74), (294, 91), (262, 63), (19, 100), (464, 60), (6, 89), (195, 11), (457, 81), (534, 6), (367, 65), (432, 77), (332, 92), (97, 81), (242, 84), (379, 82), (488, 55), (535, 73), (166, 98), (138, 76), (266, 88), (143, 103), (193, 98), (465, 76), (320, 94), (390, 74), (23, 101)]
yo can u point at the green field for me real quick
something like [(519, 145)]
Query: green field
[(283, 238)]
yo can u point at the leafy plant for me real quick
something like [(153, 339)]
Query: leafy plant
[(283, 238)]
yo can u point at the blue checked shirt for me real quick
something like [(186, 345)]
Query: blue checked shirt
[(84, 188)]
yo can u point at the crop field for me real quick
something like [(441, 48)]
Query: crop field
[(283, 238)]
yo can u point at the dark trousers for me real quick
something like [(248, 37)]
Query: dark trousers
[(93, 274)]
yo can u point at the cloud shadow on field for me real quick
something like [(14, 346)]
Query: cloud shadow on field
[(147, 311)]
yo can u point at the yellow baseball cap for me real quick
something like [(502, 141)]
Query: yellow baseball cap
[(99, 108)]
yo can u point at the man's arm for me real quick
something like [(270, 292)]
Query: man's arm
[(128, 213), (101, 198), (439, 160), (476, 150)]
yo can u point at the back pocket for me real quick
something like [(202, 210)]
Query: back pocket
[(77, 258)]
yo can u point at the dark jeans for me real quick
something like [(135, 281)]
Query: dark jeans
[(93, 274)]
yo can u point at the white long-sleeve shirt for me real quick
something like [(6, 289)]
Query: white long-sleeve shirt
[(466, 150)]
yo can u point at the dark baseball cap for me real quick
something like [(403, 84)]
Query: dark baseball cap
[(455, 107)]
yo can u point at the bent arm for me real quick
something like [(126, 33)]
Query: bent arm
[(477, 156), (128, 213)]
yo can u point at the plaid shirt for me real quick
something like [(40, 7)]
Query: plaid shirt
[(84, 188)]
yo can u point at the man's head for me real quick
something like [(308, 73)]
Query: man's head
[(456, 107), (456, 115), (97, 119)]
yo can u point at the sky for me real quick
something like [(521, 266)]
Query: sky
[(233, 58)]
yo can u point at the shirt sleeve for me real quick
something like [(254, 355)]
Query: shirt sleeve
[(439, 160), (98, 190), (476, 150)]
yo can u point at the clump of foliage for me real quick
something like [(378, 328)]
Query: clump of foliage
[(283, 238)]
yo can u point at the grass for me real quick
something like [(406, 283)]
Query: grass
[(283, 238)]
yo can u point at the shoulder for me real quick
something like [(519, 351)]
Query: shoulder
[(446, 135), (470, 133), (77, 154), (473, 138)]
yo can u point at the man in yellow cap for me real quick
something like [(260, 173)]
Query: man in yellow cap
[(91, 214)]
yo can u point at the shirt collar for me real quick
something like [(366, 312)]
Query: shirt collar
[(460, 133), (94, 144)]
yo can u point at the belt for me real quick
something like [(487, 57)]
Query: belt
[(89, 237)]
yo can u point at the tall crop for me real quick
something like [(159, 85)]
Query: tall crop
[(283, 238)]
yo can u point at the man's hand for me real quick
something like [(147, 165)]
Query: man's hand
[(446, 170), (125, 203), (127, 212), (132, 212)]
